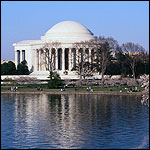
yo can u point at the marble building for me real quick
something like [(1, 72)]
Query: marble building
[(65, 33)]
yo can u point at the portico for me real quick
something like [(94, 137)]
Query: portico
[(63, 59)]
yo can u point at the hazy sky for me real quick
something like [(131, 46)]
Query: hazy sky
[(125, 21)]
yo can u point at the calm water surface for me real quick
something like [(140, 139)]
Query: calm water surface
[(73, 121)]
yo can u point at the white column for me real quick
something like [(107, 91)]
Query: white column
[(25, 55), (72, 58), (50, 57), (77, 56), (39, 61), (46, 60), (20, 56), (16, 58), (36, 61), (63, 59), (56, 59), (69, 59)]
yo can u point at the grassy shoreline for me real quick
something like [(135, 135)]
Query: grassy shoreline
[(70, 90)]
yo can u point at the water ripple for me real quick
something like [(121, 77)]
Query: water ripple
[(73, 121)]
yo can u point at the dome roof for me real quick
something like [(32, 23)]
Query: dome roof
[(68, 32)]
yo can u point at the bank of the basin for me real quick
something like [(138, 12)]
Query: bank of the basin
[(72, 92)]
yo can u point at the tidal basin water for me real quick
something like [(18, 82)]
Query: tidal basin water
[(73, 121)]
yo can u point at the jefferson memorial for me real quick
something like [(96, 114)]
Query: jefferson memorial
[(61, 38)]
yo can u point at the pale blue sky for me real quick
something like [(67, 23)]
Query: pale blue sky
[(126, 21)]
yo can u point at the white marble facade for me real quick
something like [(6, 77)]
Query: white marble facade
[(66, 33)]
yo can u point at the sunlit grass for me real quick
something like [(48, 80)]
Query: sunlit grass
[(79, 89)]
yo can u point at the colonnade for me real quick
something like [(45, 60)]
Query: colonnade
[(19, 56), (63, 59)]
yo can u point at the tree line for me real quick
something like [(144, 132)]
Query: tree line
[(129, 59), (10, 68), (109, 58)]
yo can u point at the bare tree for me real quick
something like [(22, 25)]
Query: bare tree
[(102, 58), (48, 51), (133, 52), (113, 44), (83, 57)]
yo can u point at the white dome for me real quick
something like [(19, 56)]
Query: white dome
[(68, 32)]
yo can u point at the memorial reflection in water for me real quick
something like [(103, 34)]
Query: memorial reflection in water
[(73, 121)]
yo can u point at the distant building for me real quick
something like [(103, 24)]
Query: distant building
[(6, 61), (134, 53)]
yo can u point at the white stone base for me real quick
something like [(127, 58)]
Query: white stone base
[(43, 75), (71, 75)]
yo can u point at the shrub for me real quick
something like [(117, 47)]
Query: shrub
[(22, 68), (55, 80)]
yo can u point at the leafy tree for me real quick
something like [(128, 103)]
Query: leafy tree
[(8, 68), (124, 65), (140, 68), (22, 68), (145, 61), (12, 68), (113, 69), (4, 70), (55, 80)]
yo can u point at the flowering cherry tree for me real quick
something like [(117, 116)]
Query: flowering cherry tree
[(144, 80)]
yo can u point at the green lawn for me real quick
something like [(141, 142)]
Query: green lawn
[(81, 89)]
